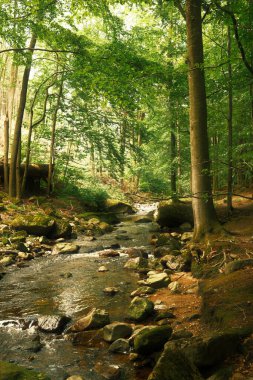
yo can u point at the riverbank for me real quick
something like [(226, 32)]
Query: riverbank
[(212, 305)]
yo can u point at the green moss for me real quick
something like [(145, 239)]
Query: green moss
[(10, 371)]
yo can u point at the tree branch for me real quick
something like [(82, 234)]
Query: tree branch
[(38, 49), (237, 37), (180, 7)]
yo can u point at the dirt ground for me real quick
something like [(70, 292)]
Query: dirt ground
[(187, 305)]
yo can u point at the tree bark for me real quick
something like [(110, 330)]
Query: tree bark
[(205, 218), (52, 145), (6, 152), (173, 166), (230, 129), (19, 121), (29, 138)]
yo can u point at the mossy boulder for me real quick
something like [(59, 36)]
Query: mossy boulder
[(174, 365), (34, 224), (118, 207), (10, 371), (236, 265), (227, 301), (174, 214), (152, 340), (18, 237), (62, 229), (140, 309)]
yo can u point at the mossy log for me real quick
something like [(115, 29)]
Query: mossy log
[(173, 214)]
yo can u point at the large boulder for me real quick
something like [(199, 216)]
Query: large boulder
[(173, 214), (140, 309), (95, 319), (34, 224), (118, 207), (174, 365), (10, 371), (62, 229), (120, 346), (152, 340), (116, 330)]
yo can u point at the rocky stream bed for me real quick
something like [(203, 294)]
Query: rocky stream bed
[(103, 308)]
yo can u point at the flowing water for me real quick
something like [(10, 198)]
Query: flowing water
[(70, 285)]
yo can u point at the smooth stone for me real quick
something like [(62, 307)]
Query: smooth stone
[(142, 291), (108, 372), (136, 263), (75, 377), (120, 346), (160, 280), (109, 253), (65, 248), (103, 268), (174, 287), (111, 291), (116, 330), (95, 319)]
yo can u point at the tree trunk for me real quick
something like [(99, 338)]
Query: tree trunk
[(173, 166), (29, 137), (6, 152), (19, 121), (205, 218), (230, 130), (52, 146)]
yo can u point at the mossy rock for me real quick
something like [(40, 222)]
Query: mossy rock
[(18, 237), (174, 365), (118, 207), (227, 300), (62, 229), (140, 309), (152, 340), (38, 224), (10, 371), (174, 214), (107, 217)]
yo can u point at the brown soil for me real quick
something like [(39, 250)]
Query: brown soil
[(231, 296)]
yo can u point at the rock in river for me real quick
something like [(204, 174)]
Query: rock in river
[(10, 371), (116, 330), (52, 323), (120, 346), (65, 248), (153, 339), (95, 319)]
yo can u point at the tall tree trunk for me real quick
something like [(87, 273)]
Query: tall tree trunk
[(19, 121), (6, 152), (122, 151), (230, 129), (205, 218), (179, 164), (52, 145), (173, 166), (32, 125)]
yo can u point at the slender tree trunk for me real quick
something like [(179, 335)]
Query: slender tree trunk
[(230, 129), (52, 145), (173, 166), (18, 174), (92, 160), (179, 164), (19, 121), (122, 152), (6, 152), (29, 139), (205, 218)]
